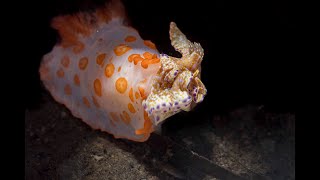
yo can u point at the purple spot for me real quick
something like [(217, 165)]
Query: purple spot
[(184, 101), (186, 105), (164, 104), (164, 111), (164, 55), (178, 107), (145, 106), (170, 104), (157, 118), (158, 107), (176, 103), (189, 97)]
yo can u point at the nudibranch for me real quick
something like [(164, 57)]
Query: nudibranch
[(115, 81)]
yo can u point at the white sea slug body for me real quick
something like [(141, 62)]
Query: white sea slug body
[(112, 79)]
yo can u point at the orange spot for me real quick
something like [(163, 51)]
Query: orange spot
[(100, 58), (78, 48), (144, 80), (122, 118), (114, 116), (125, 117), (67, 89), (83, 62), (65, 61), (132, 56), (86, 102), (44, 72), (121, 49), (147, 128), (131, 108), (147, 55), (130, 38), (137, 95), (145, 63), (149, 44), (154, 61), (119, 68), (131, 95), (141, 90), (60, 73), (110, 60), (95, 102), (121, 85), (108, 71), (76, 80), (97, 87), (154, 56), (137, 59)]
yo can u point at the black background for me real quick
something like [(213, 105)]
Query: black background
[(249, 46)]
